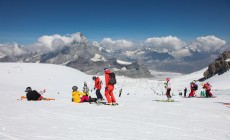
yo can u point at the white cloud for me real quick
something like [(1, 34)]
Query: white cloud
[(56, 41), (181, 53), (11, 49), (116, 44), (207, 43), (168, 42)]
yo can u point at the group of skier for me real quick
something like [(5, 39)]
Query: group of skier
[(193, 88), (110, 81), (84, 96)]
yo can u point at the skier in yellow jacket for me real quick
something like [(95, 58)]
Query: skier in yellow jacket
[(78, 96)]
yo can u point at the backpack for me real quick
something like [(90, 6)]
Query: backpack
[(112, 78), (195, 87)]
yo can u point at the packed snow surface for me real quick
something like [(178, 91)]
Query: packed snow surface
[(137, 117)]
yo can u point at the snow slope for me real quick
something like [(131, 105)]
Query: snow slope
[(137, 116)]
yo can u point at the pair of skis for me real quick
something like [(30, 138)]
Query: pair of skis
[(40, 92)]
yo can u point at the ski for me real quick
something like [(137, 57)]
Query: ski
[(23, 98), (105, 103), (165, 101), (207, 97)]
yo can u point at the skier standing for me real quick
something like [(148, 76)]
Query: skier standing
[(97, 86), (185, 91), (120, 91), (168, 88), (109, 87)]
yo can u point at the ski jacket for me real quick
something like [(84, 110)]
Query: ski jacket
[(192, 86), (85, 89), (168, 85), (207, 87), (107, 78), (76, 95), (33, 95), (97, 83)]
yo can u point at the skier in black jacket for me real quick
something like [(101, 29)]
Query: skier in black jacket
[(33, 95)]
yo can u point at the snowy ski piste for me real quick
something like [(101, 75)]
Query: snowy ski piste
[(137, 117)]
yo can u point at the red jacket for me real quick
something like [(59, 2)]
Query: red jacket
[(207, 86), (107, 78), (97, 83)]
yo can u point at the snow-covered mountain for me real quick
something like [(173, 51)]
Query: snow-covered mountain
[(87, 57), (77, 52), (136, 117)]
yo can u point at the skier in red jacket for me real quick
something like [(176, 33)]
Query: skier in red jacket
[(207, 88), (97, 86), (109, 89), (193, 87)]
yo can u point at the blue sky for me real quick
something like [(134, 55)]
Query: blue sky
[(24, 21)]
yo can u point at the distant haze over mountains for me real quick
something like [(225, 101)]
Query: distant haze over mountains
[(123, 56)]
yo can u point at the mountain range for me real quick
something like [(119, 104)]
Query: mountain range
[(93, 57)]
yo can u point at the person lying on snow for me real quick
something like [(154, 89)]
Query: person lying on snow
[(33, 95)]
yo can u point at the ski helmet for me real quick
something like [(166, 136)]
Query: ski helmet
[(94, 78), (28, 89), (167, 79), (74, 88), (85, 84)]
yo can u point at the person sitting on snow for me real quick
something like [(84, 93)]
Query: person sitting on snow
[(33, 95), (78, 96), (202, 93), (207, 88), (193, 88), (86, 91)]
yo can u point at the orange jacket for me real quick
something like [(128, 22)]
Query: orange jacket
[(97, 83)]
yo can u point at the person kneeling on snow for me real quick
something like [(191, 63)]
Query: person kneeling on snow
[(77, 96), (193, 87), (207, 88), (33, 95)]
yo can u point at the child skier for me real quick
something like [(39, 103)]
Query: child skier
[(168, 88), (87, 95), (97, 86), (185, 91), (202, 93)]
